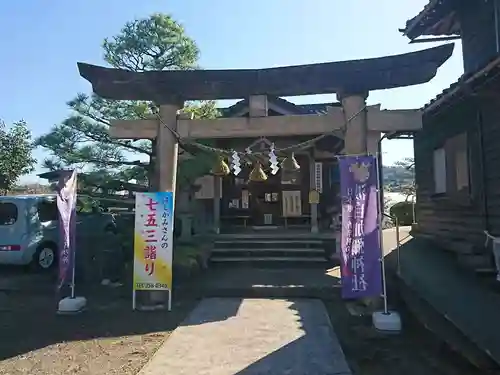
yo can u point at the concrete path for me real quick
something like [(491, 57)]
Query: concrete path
[(226, 336), (253, 282)]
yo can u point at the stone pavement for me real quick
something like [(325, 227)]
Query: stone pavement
[(253, 282), (224, 336)]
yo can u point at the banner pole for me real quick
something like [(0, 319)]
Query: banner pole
[(133, 300), (73, 280), (73, 271), (170, 300), (381, 237)]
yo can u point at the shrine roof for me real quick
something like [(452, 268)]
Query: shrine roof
[(465, 85), (438, 18), (324, 78), (299, 109), (53, 175), (91, 180)]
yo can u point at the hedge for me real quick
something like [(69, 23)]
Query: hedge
[(403, 211)]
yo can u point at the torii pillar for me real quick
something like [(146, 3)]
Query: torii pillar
[(356, 140), (356, 132), (167, 148)]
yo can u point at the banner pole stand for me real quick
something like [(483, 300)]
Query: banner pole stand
[(384, 321)]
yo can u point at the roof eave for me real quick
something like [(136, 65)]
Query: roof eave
[(438, 18), (458, 87), (412, 23), (361, 75)]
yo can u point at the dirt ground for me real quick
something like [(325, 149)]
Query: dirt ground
[(111, 339), (415, 351)]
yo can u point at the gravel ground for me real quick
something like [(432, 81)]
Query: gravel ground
[(415, 351), (115, 340), (112, 340)]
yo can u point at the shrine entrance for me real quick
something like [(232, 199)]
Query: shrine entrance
[(278, 202), (359, 125), (275, 201), (265, 203)]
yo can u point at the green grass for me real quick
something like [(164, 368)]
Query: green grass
[(187, 255)]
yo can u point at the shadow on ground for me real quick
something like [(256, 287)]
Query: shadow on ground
[(36, 326), (257, 282), (31, 323), (28, 321), (316, 351), (448, 300)]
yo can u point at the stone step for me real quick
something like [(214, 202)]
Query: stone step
[(269, 249), (316, 259), (269, 244), (269, 241)]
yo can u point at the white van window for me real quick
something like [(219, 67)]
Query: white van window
[(8, 213), (47, 211)]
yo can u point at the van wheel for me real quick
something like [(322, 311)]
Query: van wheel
[(45, 257)]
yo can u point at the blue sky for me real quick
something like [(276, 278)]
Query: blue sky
[(43, 40)]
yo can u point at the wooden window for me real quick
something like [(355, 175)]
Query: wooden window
[(461, 164), (451, 164), (439, 171), (292, 204)]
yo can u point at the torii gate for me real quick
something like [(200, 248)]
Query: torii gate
[(351, 80)]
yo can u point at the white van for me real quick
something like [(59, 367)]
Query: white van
[(29, 231)]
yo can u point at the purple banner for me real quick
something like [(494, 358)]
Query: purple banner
[(66, 206), (360, 248)]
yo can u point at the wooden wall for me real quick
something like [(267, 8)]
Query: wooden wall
[(450, 218), (477, 20), (490, 117)]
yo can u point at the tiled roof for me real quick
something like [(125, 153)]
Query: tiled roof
[(490, 69), (317, 108), (437, 19), (54, 175), (302, 109)]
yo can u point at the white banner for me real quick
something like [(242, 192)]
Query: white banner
[(153, 241)]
